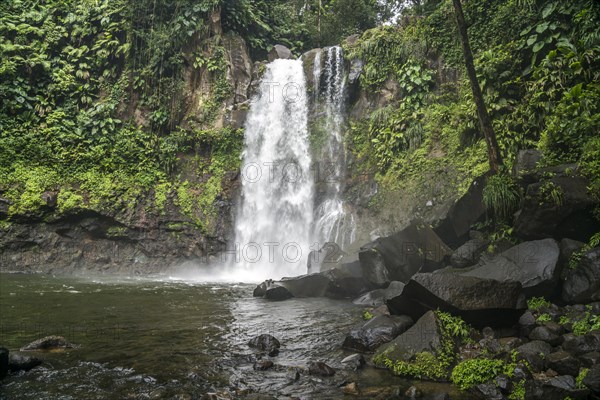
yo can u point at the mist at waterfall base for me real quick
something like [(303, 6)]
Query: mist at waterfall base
[(278, 221)]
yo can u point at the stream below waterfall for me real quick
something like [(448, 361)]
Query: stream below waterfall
[(155, 338)]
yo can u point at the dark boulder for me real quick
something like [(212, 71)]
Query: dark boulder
[(480, 302), (376, 332), (592, 379), (266, 343), (3, 362), (48, 343), (468, 253), (343, 281), (564, 363), (399, 256), (545, 334), (525, 163), (314, 285), (534, 353), (488, 391), (540, 217), (277, 293), (534, 264), (320, 369), (561, 388), (346, 281), (567, 248), (280, 52), (22, 362), (378, 297), (589, 359), (454, 228), (582, 284), (424, 335), (581, 344)]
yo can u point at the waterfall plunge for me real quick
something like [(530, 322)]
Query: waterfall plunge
[(332, 222), (274, 220)]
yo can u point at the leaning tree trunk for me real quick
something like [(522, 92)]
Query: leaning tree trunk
[(484, 118)]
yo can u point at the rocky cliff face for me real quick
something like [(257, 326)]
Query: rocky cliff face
[(134, 235)]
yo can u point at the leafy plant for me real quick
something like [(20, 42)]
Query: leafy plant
[(501, 196), (472, 372), (535, 303)]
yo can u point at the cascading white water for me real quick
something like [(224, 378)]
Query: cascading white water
[(332, 222), (276, 211)]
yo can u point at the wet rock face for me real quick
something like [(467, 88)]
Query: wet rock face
[(583, 283), (468, 253), (376, 332), (266, 343)]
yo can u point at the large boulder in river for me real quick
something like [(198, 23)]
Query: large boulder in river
[(479, 301), (48, 343), (541, 216), (583, 283), (376, 331), (22, 362), (425, 335), (378, 297), (534, 264), (280, 52), (344, 281), (399, 256)]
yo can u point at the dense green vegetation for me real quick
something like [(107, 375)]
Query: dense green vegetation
[(96, 94), (537, 63)]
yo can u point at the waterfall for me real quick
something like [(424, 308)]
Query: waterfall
[(275, 216), (332, 222)]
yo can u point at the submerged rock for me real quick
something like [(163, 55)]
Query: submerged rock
[(48, 343), (262, 365), (354, 361), (376, 332), (266, 343), (480, 302), (320, 369)]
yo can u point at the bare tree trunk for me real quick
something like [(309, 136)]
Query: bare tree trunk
[(484, 118)]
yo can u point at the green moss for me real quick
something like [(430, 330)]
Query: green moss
[(367, 315), (518, 392), (580, 377), (470, 373), (545, 317), (69, 200), (426, 365), (161, 193)]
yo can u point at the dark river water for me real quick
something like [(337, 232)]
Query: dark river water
[(161, 338)]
